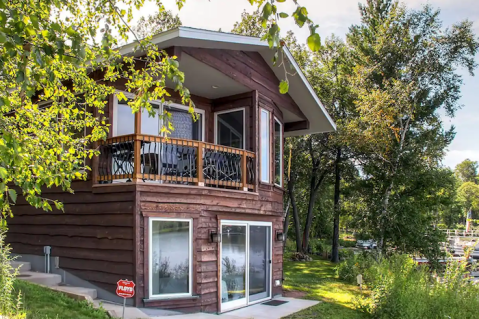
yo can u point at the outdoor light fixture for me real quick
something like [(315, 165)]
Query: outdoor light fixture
[(215, 237), (279, 235)]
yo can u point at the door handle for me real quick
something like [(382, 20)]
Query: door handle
[(270, 261)]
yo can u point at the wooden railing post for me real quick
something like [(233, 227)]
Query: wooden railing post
[(244, 173), (137, 158), (199, 165)]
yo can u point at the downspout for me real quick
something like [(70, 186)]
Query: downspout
[(46, 251)]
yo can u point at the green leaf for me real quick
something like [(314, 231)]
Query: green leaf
[(283, 15), (267, 10), (30, 30), (71, 32), (3, 37), (283, 87), (3, 18), (314, 42), (13, 195), (34, 21), (280, 0), (3, 173), (20, 76)]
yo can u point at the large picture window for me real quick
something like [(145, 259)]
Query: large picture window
[(170, 257), (265, 146), (185, 126), (278, 153)]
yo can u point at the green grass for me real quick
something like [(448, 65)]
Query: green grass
[(42, 303), (318, 279)]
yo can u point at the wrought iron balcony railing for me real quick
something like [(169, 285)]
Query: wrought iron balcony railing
[(175, 161)]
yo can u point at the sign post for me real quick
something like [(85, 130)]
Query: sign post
[(359, 278), (125, 289)]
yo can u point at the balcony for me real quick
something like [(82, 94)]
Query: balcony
[(156, 159)]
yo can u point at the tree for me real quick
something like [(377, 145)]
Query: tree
[(329, 72), (468, 196), (156, 23), (466, 171), (400, 136), (58, 61), (250, 24)]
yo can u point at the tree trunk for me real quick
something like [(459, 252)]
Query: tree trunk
[(297, 225), (384, 213), (337, 208), (286, 225), (309, 218)]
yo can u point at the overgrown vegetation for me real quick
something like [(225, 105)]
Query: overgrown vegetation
[(401, 289), (10, 300)]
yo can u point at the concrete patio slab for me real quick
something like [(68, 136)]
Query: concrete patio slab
[(261, 311)]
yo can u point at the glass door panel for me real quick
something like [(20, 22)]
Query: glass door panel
[(233, 266), (259, 262)]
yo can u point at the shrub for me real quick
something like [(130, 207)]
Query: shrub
[(354, 265), (290, 245), (10, 303), (300, 257), (347, 243), (346, 254), (400, 290)]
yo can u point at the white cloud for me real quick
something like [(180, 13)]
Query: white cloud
[(457, 156)]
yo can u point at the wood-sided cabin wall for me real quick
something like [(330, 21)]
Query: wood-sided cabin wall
[(206, 207), (94, 236)]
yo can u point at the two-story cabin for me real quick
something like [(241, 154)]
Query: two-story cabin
[(194, 220)]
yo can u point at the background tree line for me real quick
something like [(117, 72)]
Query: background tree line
[(380, 173)]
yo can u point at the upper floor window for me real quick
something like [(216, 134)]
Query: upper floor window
[(185, 126), (230, 128), (278, 153), (265, 146)]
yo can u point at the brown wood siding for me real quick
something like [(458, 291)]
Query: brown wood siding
[(254, 75), (206, 207), (93, 237)]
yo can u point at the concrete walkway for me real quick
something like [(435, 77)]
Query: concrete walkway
[(258, 311)]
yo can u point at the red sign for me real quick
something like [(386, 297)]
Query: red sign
[(125, 288)]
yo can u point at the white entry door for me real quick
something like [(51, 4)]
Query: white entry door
[(245, 254)]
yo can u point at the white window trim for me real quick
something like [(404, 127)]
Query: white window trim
[(150, 259), (230, 111), (268, 181), (161, 109), (280, 153)]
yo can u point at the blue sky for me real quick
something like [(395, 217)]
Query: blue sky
[(335, 17)]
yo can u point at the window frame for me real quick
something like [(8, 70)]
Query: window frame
[(268, 126), (161, 109), (243, 109), (150, 259), (281, 155)]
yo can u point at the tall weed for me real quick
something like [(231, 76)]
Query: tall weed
[(10, 302)]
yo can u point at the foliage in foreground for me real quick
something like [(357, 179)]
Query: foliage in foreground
[(401, 289), (43, 303), (10, 301)]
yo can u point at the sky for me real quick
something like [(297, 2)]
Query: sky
[(335, 17)]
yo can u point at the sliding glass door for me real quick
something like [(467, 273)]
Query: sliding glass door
[(245, 263)]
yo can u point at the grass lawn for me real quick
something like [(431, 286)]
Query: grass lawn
[(318, 279), (43, 303)]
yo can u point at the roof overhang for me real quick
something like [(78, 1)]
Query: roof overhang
[(300, 89)]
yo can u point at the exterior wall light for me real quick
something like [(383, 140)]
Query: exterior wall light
[(215, 237), (280, 235)]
